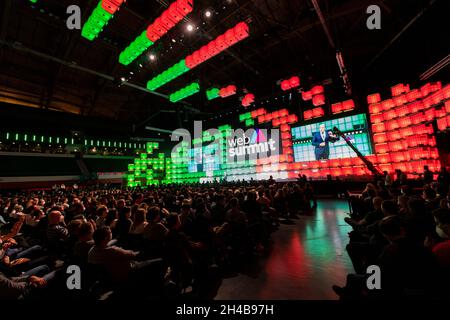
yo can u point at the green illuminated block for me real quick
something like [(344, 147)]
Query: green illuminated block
[(131, 167), (33, 1), (249, 122), (245, 116), (143, 156)]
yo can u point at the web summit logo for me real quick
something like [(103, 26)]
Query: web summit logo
[(246, 146)]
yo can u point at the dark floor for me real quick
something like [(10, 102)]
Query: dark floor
[(306, 259)]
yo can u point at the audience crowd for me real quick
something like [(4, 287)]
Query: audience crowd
[(161, 242), (403, 231)]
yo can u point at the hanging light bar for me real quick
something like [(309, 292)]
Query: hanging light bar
[(166, 21), (212, 93), (100, 17), (213, 48), (187, 91)]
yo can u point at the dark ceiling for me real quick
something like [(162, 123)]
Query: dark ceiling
[(286, 39)]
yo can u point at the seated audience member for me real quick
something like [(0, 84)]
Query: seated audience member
[(154, 231), (121, 264), (122, 225), (442, 248), (57, 232), (139, 223), (101, 214), (371, 217), (84, 244), (218, 211)]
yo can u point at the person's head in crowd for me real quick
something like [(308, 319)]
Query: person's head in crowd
[(85, 232), (251, 195), (199, 205), (389, 208), (154, 214), (402, 202), (392, 228), (55, 217), (121, 204), (125, 213), (74, 226), (173, 221), (442, 219), (185, 206), (377, 201), (234, 203), (102, 211), (220, 199), (405, 190), (102, 236), (428, 194), (140, 216), (416, 206), (111, 216)]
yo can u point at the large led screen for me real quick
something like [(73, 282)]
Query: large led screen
[(317, 142)]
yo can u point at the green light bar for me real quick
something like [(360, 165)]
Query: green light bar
[(96, 22), (135, 49), (187, 91), (168, 75), (212, 93)]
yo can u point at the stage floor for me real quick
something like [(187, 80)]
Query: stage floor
[(306, 259)]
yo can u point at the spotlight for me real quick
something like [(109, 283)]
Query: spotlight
[(152, 57), (122, 79), (140, 65), (190, 28), (174, 41), (208, 14)]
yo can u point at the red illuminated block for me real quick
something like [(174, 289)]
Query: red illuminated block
[(375, 108), (399, 89), (389, 115), (221, 44), (378, 127), (377, 118), (158, 27), (413, 95), (308, 114), (285, 127), (286, 143), (318, 112), (204, 53), (269, 117), (348, 105), (402, 111), (395, 146), (294, 82), (447, 106), (292, 119), (317, 90), (336, 107), (212, 49), (283, 112), (383, 158), (276, 114), (400, 100), (110, 6), (442, 123), (379, 138), (306, 95), (387, 104), (318, 100), (230, 37), (391, 125), (286, 135), (446, 92), (393, 135), (185, 6), (381, 148), (404, 121), (167, 21), (373, 98), (248, 99), (335, 163), (241, 31), (276, 122), (262, 119), (285, 85), (175, 15), (151, 34)]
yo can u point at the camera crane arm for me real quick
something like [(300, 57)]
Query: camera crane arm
[(366, 161)]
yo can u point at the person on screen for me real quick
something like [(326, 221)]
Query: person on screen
[(321, 141)]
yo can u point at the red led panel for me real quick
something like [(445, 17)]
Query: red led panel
[(387, 104), (404, 121), (348, 105), (285, 85), (285, 127), (378, 127), (318, 100), (336, 107), (373, 98), (283, 112), (317, 90), (394, 135), (384, 158), (442, 123), (413, 95), (292, 118), (248, 99), (308, 114), (306, 95), (399, 89), (391, 125), (377, 118), (417, 118), (318, 112), (375, 108), (389, 115), (395, 145), (379, 137), (381, 148), (400, 100)]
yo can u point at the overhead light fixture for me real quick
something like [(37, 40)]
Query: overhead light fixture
[(208, 14), (152, 57), (122, 79), (190, 28)]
